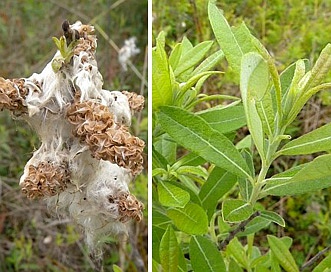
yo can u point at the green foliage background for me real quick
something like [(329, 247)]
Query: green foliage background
[(30, 239), (290, 30)]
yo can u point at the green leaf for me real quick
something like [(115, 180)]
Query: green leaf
[(175, 56), (224, 119), (160, 219), (257, 224), (161, 75), (290, 97), (253, 90), (205, 256), (193, 133), (236, 210), (237, 251), (282, 254), (320, 69), (217, 185), (194, 79), (191, 219), (324, 266), (245, 188), (172, 196), (209, 63), (316, 141), (273, 217), (225, 37), (117, 268), (167, 147), (314, 176), (244, 38), (157, 234), (192, 57), (287, 76), (234, 266), (198, 171), (158, 160), (169, 251), (191, 159)]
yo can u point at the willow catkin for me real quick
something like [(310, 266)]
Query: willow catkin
[(87, 156)]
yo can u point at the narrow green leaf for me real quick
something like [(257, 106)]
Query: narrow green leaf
[(320, 69), (161, 75), (291, 96), (172, 196), (314, 176), (157, 234), (167, 147), (175, 56), (169, 251), (117, 268), (244, 38), (192, 57), (225, 37), (236, 210), (257, 224), (234, 266), (193, 170), (158, 160), (324, 266), (205, 256), (316, 141), (237, 251), (245, 188), (217, 185), (251, 91), (191, 159), (194, 79), (160, 219), (286, 77), (191, 219), (273, 217), (193, 133), (224, 119), (209, 63), (282, 254)]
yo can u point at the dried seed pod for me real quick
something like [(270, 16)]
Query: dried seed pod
[(94, 125), (136, 101), (12, 95), (46, 179), (128, 206)]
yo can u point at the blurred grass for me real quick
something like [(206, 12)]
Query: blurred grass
[(30, 239), (290, 30)]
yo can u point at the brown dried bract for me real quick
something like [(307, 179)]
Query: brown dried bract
[(128, 207), (95, 126), (45, 179), (12, 95), (136, 101)]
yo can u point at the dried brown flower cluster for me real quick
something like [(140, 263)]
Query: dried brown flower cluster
[(46, 179), (136, 101), (128, 207), (95, 126), (87, 41), (12, 95)]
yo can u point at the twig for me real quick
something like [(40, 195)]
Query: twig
[(315, 258), (240, 228)]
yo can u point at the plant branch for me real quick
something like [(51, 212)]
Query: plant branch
[(315, 258), (240, 228)]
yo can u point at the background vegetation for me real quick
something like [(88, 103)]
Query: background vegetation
[(30, 239), (289, 30)]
